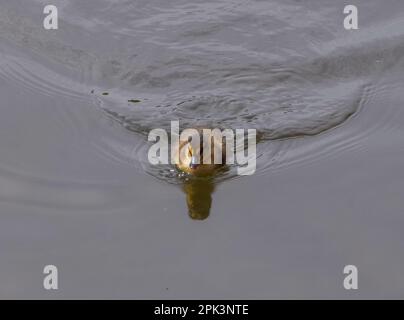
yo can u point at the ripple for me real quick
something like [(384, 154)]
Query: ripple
[(36, 78), (306, 106)]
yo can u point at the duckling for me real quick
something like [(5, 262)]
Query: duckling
[(191, 155)]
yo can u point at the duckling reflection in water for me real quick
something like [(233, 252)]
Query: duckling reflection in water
[(199, 197), (200, 184)]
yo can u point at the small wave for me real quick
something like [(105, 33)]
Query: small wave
[(282, 93)]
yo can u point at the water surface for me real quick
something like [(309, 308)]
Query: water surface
[(77, 191)]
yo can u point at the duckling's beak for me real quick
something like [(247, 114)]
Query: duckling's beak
[(194, 162)]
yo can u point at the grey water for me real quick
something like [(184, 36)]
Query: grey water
[(77, 190)]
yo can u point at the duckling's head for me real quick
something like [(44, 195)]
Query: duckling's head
[(191, 155)]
